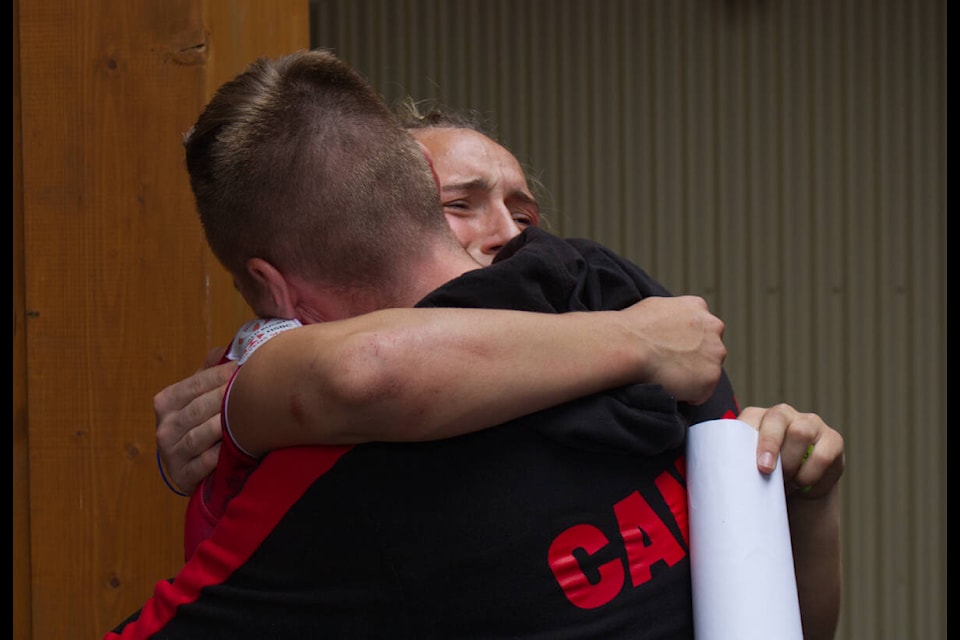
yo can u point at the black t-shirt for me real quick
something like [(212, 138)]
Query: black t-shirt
[(568, 523)]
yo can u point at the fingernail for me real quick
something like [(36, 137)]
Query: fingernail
[(767, 461)]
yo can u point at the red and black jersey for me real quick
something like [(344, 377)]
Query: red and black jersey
[(209, 502), (568, 523)]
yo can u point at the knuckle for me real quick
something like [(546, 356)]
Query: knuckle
[(782, 408), (195, 384), (808, 425), (190, 441), (160, 404)]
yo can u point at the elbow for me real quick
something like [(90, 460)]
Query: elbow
[(380, 384), (368, 385)]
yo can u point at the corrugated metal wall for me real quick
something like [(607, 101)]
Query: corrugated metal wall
[(784, 159)]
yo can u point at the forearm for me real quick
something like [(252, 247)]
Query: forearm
[(417, 374), (815, 532)]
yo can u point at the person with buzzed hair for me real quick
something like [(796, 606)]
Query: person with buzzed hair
[(566, 523)]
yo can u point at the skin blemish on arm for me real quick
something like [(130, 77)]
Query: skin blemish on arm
[(296, 409)]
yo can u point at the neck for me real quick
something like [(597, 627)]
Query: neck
[(441, 263), (438, 263)]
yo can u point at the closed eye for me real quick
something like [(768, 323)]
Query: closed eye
[(526, 212), (524, 219)]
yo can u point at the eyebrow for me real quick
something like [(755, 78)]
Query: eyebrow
[(482, 184), (469, 185)]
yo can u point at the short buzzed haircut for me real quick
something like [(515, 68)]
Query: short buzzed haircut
[(299, 161)]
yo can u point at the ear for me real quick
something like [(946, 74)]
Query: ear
[(275, 296), (429, 157)]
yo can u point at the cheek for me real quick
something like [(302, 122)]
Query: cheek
[(485, 259), (466, 233), (514, 229), (470, 238)]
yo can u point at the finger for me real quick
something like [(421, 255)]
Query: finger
[(803, 430), (173, 427), (180, 394), (196, 469), (771, 425), (822, 469), (202, 438), (207, 380), (194, 456), (202, 409)]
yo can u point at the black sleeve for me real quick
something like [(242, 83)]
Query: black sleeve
[(537, 271)]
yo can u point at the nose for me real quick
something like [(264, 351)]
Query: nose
[(500, 229)]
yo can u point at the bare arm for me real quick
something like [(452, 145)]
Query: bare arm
[(676, 341), (416, 374), (813, 506)]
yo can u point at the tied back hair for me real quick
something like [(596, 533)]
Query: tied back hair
[(432, 114), (429, 114)]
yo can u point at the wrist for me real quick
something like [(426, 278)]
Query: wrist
[(629, 353)]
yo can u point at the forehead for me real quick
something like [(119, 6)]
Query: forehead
[(464, 155)]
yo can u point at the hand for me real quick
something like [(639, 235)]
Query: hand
[(810, 475), (188, 423), (685, 342), (790, 433)]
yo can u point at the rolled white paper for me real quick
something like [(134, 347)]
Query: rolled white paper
[(741, 561)]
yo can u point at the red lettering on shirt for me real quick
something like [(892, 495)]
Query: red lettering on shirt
[(647, 540), (571, 577), (675, 495)]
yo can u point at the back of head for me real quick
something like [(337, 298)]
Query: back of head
[(299, 162)]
